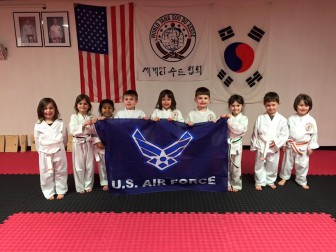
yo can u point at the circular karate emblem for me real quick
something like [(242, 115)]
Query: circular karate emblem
[(308, 126), (172, 37), (210, 118)]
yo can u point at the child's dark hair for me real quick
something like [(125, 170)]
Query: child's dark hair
[(81, 97), (131, 92), (271, 97), (43, 104), (170, 95), (103, 102), (202, 91), (305, 98), (236, 98)]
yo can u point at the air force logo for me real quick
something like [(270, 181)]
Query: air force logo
[(161, 158)]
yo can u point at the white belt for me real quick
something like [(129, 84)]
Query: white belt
[(49, 161)]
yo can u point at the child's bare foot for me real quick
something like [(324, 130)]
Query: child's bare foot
[(51, 198), (60, 196), (105, 188), (234, 189), (258, 187), (82, 192), (305, 187), (229, 188), (272, 186), (88, 190), (282, 182)]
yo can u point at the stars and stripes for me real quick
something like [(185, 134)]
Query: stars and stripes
[(106, 50), (92, 29)]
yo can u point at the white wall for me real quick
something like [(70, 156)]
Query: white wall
[(301, 58)]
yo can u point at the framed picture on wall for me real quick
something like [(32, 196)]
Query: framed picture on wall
[(27, 29), (56, 30)]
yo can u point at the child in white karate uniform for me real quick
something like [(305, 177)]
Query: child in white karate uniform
[(301, 143), (166, 108), (202, 113), (106, 109), (81, 126), (51, 137), (237, 124), (270, 133), (130, 99)]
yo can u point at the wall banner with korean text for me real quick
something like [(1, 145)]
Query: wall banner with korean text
[(240, 33), (146, 156), (172, 43)]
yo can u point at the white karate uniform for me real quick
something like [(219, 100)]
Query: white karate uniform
[(28, 34), (197, 116), (267, 159), (176, 114), (50, 141), (56, 33), (237, 128), (302, 137), (100, 158), (135, 114), (82, 151)]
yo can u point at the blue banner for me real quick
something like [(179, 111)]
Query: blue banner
[(147, 156)]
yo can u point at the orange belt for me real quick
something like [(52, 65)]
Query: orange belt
[(295, 145)]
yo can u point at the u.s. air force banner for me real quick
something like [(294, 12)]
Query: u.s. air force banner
[(172, 43), (146, 156)]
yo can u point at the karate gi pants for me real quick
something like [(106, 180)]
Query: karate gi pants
[(83, 165), (234, 173), (266, 171), (292, 159), (102, 170), (57, 181)]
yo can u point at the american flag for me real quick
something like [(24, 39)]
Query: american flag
[(106, 50)]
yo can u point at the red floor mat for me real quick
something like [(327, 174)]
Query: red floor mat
[(167, 232), (25, 163), (322, 162)]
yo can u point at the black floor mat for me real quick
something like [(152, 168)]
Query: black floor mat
[(22, 193)]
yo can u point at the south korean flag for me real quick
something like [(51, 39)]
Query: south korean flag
[(240, 33)]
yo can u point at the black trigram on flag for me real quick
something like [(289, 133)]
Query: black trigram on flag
[(226, 81), (256, 33), (226, 33), (254, 79)]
